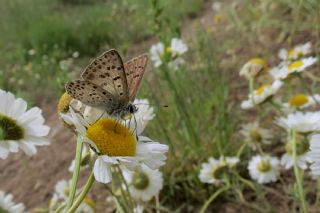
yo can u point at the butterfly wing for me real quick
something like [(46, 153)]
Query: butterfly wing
[(91, 94), (107, 72), (134, 70)]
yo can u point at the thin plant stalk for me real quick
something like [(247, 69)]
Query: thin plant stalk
[(212, 197), (251, 89), (126, 193), (276, 106), (182, 107), (297, 173), (60, 208), (242, 147), (75, 174), (119, 203), (318, 192), (83, 194)]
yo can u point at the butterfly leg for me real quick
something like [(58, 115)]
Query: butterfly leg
[(135, 126), (102, 114), (117, 121)]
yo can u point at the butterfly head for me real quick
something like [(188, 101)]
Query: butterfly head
[(128, 112)]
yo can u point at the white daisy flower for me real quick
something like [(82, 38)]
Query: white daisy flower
[(19, 127), (61, 189), (253, 67), (144, 184), (295, 53), (288, 162), (171, 54), (300, 101), (178, 47), (8, 206), (216, 6), (138, 209), (261, 94), (314, 154), (31, 52), (264, 169), (284, 70), (66, 64), (116, 144), (60, 196), (212, 171), (156, 54), (75, 54), (176, 63), (253, 134), (300, 122)]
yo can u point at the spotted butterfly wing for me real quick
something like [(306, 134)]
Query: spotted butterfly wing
[(107, 72), (134, 70), (91, 94)]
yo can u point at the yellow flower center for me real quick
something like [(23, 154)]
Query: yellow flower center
[(140, 180), (255, 135), (169, 50), (209, 29), (219, 170), (64, 101), (295, 65), (298, 100), (264, 166), (302, 145), (261, 89), (259, 61), (291, 53), (67, 190), (10, 129), (112, 138), (217, 18)]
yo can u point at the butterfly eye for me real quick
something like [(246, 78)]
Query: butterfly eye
[(131, 109)]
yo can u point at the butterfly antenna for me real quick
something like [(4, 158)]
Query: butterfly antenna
[(165, 106)]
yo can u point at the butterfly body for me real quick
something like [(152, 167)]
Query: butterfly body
[(109, 84)]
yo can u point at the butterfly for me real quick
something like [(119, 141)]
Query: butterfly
[(109, 84)]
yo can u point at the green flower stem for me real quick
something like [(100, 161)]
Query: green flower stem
[(277, 107), (182, 107), (244, 181), (126, 193), (297, 173), (318, 192), (246, 203), (260, 150), (157, 204), (60, 208), (239, 153), (83, 194), (75, 174), (119, 204), (212, 197), (251, 92), (251, 89), (162, 125)]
